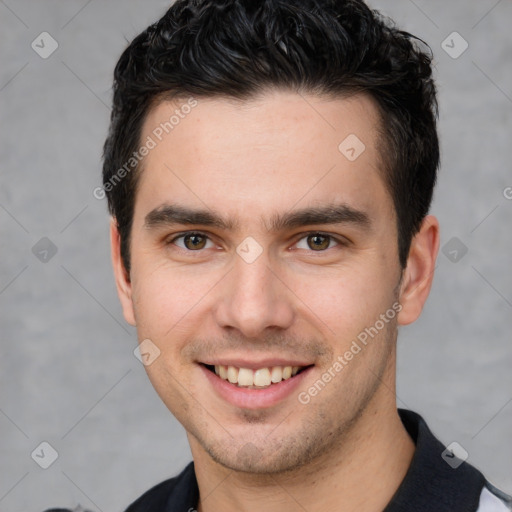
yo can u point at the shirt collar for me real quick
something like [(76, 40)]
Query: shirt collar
[(431, 483)]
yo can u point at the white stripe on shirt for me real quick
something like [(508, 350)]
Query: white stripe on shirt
[(491, 503)]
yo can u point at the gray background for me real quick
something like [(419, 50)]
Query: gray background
[(68, 375)]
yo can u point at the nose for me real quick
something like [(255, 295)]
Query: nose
[(253, 299)]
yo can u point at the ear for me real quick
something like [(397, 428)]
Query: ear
[(419, 272), (123, 284)]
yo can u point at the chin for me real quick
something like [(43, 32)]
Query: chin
[(265, 457)]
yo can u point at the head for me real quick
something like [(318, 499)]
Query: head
[(269, 170)]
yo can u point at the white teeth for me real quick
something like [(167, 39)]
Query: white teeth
[(245, 377), (277, 374), (232, 374), (262, 377), (223, 372)]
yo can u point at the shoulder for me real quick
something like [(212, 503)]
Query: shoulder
[(178, 489), (431, 482), (155, 498)]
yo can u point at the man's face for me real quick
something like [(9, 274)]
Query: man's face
[(258, 243)]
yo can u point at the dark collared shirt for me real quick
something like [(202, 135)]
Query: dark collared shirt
[(435, 482)]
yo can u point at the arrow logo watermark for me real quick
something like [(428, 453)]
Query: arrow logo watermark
[(44, 45), (351, 147), (454, 249), (249, 250), (44, 455), (454, 45), (454, 455), (147, 352), (44, 250)]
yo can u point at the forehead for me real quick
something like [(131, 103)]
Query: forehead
[(279, 150)]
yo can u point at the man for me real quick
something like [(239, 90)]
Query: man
[(269, 171)]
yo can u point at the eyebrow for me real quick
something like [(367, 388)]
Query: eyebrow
[(168, 214), (330, 214)]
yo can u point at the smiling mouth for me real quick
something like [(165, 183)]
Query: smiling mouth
[(260, 378)]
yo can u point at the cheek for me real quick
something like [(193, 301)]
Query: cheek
[(346, 301), (163, 298)]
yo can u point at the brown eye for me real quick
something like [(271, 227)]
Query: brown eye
[(318, 242), (194, 241)]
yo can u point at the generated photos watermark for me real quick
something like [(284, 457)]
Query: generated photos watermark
[(356, 347), (150, 143)]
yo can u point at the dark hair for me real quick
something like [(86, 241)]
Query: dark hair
[(239, 48)]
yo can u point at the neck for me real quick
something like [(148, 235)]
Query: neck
[(361, 475)]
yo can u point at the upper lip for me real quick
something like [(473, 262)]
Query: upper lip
[(255, 365)]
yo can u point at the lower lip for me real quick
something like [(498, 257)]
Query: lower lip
[(246, 398)]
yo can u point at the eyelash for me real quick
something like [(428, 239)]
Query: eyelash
[(339, 241)]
